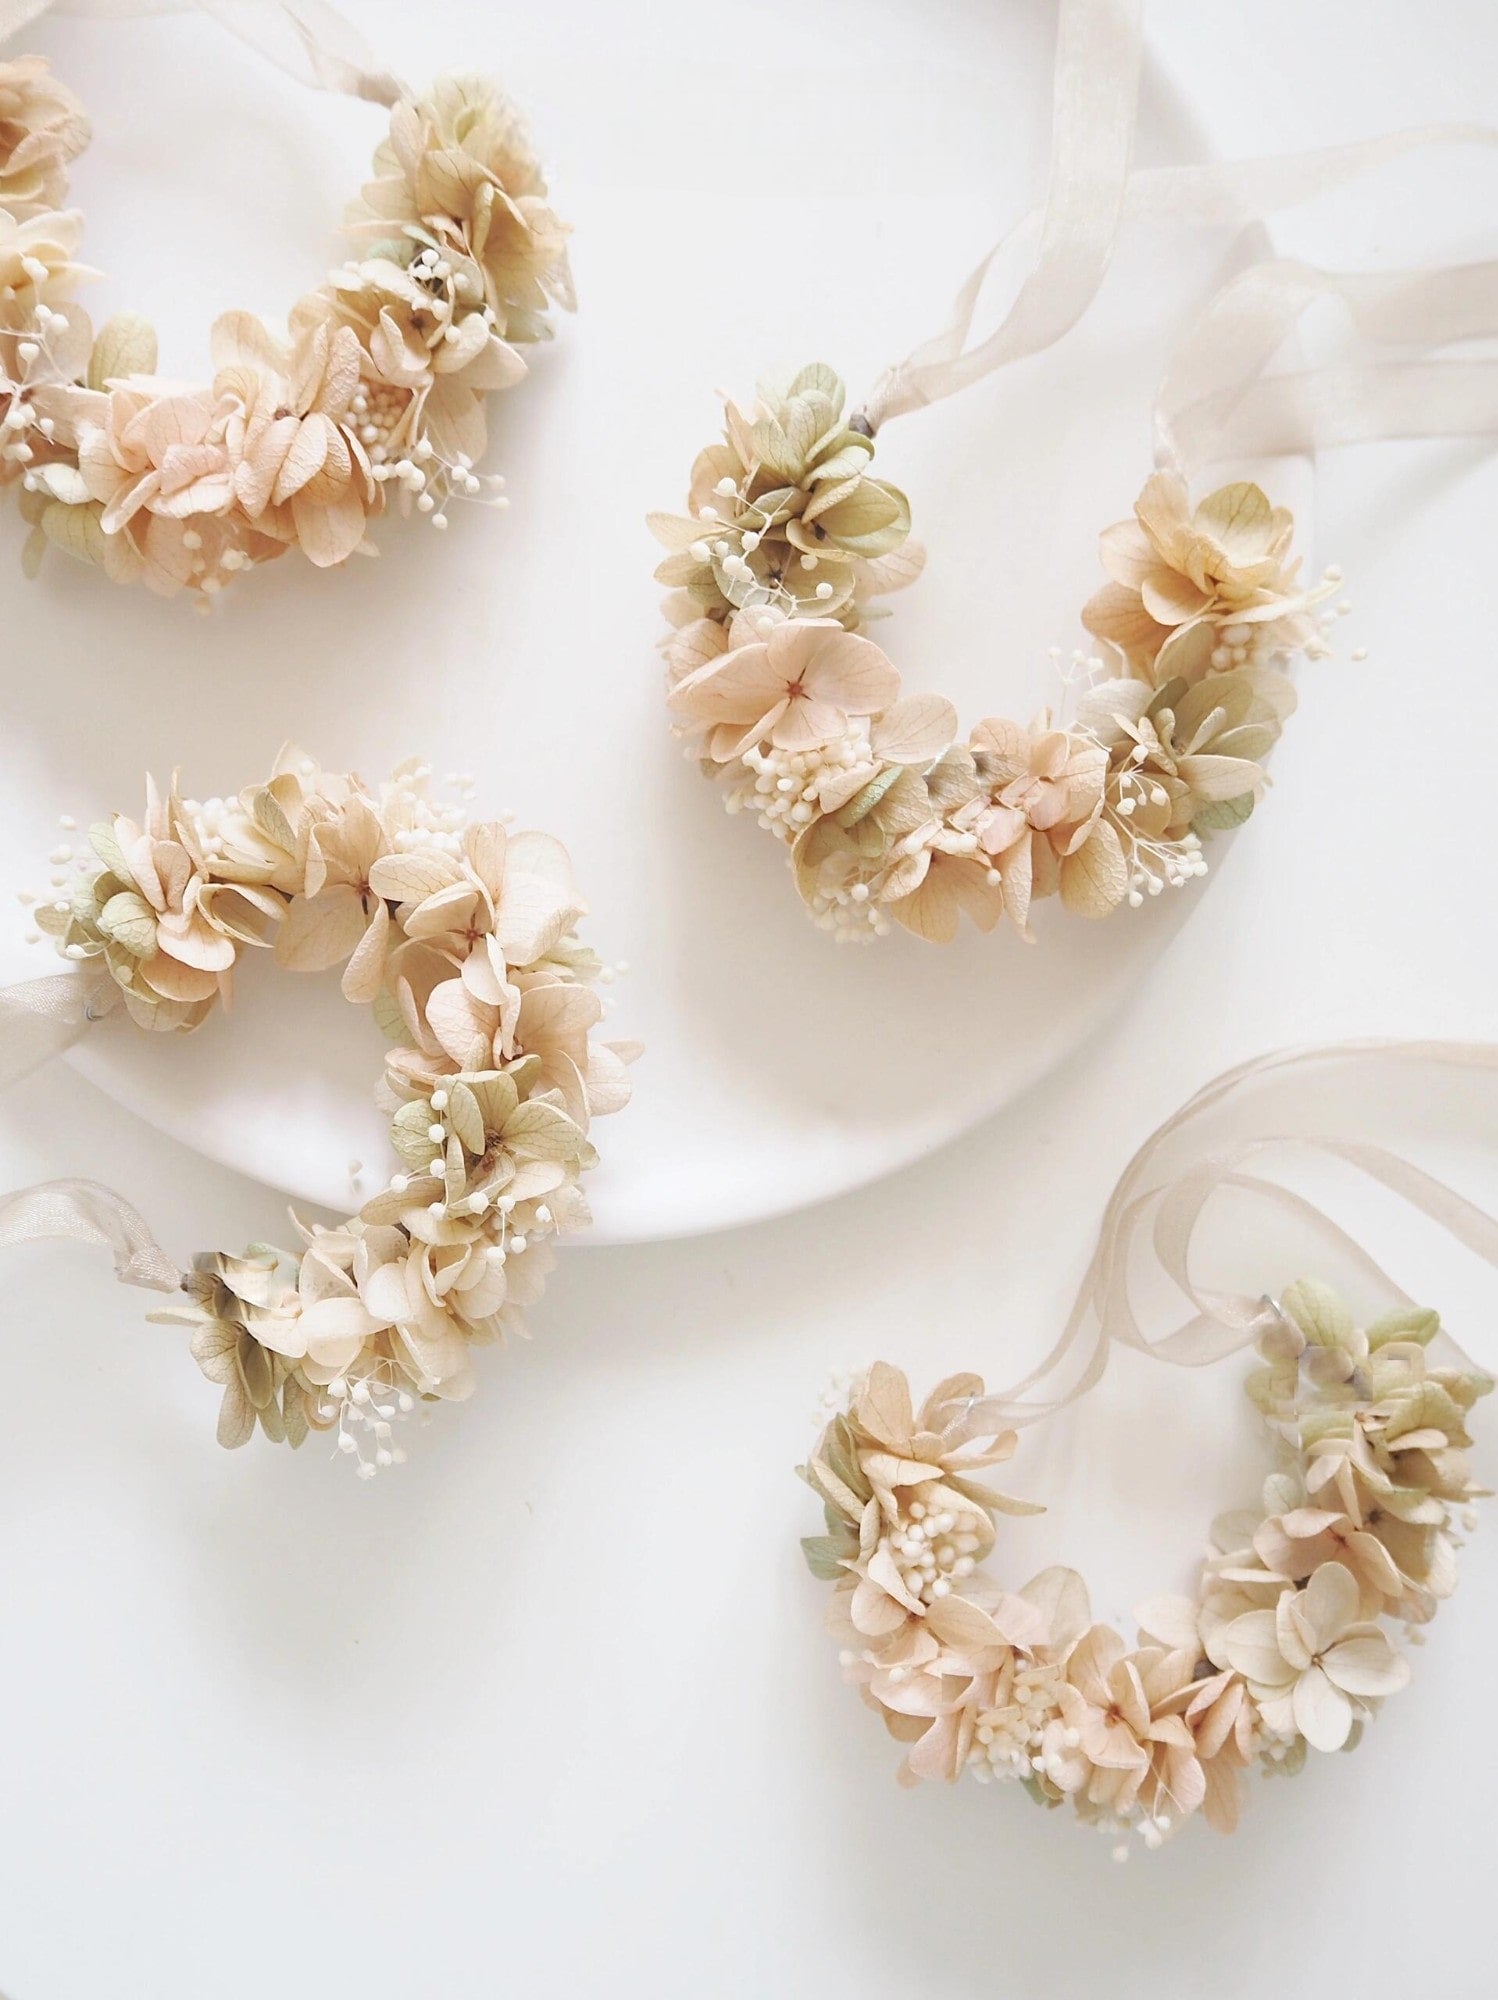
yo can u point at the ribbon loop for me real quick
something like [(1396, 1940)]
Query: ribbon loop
[(1213, 403), (1159, 1210), (1216, 402)]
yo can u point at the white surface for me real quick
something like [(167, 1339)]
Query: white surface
[(523, 647), (553, 1713)]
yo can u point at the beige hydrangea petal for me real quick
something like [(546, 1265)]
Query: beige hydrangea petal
[(1366, 1665), (1323, 1714)]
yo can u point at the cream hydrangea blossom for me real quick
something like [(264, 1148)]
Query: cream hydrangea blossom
[(890, 817), (376, 399), (1224, 568), (459, 175), (1283, 1649), (42, 129), (462, 938)]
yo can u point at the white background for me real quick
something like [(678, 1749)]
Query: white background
[(552, 1712)]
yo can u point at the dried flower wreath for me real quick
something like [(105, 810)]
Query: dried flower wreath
[(802, 720), (375, 399), (1282, 1649), (461, 938), (789, 537)]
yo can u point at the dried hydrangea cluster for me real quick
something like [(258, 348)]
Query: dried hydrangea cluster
[(789, 537), (1283, 1648), (461, 937), (375, 399)]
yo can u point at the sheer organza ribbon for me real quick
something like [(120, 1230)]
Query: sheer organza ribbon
[(1213, 403), (1154, 1216), (79, 1211), (1217, 402), (39, 1019), (308, 39)]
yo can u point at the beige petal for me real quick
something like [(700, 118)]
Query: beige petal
[(1171, 1620), (884, 1406), (236, 1416), (735, 689), (328, 532), (1060, 1596), (364, 975), (836, 667), (457, 1020), (410, 878), (1239, 518), (1171, 598), (1323, 1714), (915, 729), (1250, 1645), (319, 931), (336, 1329), (1330, 1603), (1095, 879), (538, 907), (1367, 1666)]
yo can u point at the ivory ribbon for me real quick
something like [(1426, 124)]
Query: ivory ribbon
[(1091, 191), (81, 1211), (1099, 49), (1216, 401), (39, 1018), (1162, 1210), (308, 39)]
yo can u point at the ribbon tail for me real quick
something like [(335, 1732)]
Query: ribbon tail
[(1092, 191), (1154, 1215), (81, 1211), (1217, 402), (18, 14), (308, 39)]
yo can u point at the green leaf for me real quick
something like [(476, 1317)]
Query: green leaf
[(78, 531), (409, 1130), (389, 1019), (819, 378), (823, 1557), (125, 345), (1318, 1312), (1417, 1323), (101, 839), (131, 922), (1222, 815), (464, 1116)]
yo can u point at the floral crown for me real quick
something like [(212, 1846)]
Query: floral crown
[(1157, 742), (461, 938), (789, 538), (375, 400), (1283, 1649)]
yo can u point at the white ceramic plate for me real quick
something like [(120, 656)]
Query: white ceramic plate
[(739, 212)]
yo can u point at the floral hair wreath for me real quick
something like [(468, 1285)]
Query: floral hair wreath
[(790, 536), (1282, 1650), (803, 721), (376, 399), (460, 936)]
